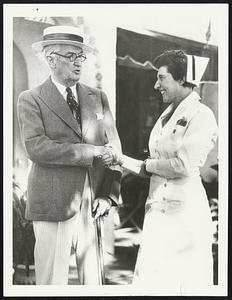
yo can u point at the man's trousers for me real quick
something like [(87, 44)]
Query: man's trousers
[(54, 241)]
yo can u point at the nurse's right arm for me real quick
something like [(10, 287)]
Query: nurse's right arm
[(129, 164), (199, 139)]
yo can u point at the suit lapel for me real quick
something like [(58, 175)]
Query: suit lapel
[(55, 101), (87, 102)]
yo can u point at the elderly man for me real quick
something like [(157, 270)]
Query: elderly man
[(64, 127)]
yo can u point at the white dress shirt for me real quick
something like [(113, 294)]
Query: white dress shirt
[(62, 89)]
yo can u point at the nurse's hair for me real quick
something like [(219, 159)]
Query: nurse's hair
[(176, 63)]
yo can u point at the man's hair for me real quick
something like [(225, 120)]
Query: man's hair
[(46, 51), (176, 63), (50, 48)]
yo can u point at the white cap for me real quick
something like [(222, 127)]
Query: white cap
[(196, 66)]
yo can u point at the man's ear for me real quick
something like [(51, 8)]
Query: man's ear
[(51, 61)]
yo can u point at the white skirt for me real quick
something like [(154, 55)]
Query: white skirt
[(176, 250)]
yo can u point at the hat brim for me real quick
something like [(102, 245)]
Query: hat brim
[(38, 46)]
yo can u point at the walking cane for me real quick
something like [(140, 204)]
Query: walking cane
[(99, 248)]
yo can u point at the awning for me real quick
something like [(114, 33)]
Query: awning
[(128, 61), (137, 47)]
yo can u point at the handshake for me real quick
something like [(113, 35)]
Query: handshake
[(109, 155)]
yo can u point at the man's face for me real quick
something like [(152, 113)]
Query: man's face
[(67, 72), (167, 85)]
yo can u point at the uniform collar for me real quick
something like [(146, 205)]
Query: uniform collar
[(188, 101)]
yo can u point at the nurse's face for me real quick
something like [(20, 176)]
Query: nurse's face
[(167, 85)]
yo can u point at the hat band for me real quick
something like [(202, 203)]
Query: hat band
[(63, 36)]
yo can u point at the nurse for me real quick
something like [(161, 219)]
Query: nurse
[(175, 254)]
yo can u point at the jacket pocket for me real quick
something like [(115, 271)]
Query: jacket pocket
[(67, 189)]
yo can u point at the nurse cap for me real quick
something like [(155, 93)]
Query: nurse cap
[(196, 66)]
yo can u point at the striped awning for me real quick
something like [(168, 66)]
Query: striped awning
[(128, 61)]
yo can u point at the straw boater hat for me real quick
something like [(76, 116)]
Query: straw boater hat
[(66, 35)]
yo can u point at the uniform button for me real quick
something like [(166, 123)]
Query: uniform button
[(163, 211), (165, 184), (164, 199)]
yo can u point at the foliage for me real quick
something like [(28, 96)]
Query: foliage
[(23, 235)]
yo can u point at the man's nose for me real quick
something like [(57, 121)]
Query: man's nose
[(157, 85), (77, 62)]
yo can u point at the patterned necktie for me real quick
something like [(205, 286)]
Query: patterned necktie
[(73, 105)]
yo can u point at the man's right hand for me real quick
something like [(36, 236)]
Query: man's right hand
[(99, 151), (106, 154), (113, 156)]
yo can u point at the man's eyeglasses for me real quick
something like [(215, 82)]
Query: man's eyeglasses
[(72, 56)]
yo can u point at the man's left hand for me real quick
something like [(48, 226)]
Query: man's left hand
[(101, 207)]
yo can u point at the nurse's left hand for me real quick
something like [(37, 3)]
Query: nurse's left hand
[(101, 207)]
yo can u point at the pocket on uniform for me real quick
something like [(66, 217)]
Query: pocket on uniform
[(174, 206)]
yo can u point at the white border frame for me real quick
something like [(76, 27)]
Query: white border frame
[(107, 10)]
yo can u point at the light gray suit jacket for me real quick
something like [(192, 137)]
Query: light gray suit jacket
[(61, 154)]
